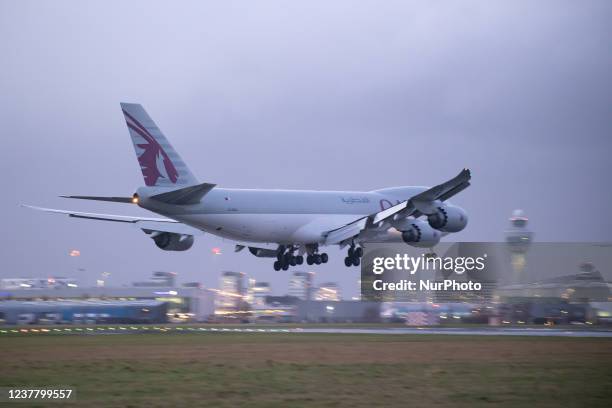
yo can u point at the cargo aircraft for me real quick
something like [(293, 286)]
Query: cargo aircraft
[(285, 225)]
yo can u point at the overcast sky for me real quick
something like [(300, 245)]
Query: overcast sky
[(313, 95)]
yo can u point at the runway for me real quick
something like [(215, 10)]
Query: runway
[(493, 331), (397, 331)]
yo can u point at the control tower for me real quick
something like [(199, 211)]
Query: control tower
[(518, 240)]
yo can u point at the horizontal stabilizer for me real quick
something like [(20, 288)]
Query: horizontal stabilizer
[(100, 217), (185, 196), (144, 223), (96, 198)]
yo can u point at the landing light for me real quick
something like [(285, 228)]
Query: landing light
[(135, 199)]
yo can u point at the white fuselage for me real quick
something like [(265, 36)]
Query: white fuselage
[(279, 216)]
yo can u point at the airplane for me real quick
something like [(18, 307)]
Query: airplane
[(286, 225)]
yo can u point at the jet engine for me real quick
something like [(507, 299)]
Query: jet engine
[(418, 233), (448, 219), (170, 241)]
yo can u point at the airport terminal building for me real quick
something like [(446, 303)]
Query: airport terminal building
[(99, 304), (82, 311)]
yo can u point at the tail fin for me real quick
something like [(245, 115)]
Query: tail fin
[(160, 164)]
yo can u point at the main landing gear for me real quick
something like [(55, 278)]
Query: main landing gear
[(354, 255), (284, 261), (317, 259), (286, 258), (314, 257)]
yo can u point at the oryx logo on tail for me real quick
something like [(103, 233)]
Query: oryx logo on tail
[(154, 160), (160, 164)]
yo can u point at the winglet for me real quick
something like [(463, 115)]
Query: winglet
[(424, 201)]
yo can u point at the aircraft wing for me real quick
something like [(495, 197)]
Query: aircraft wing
[(422, 203), (146, 224)]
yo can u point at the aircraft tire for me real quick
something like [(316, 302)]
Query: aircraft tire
[(277, 265), (358, 252), (348, 261), (324, 257), (356, 261), (299, 259), (309, 260)]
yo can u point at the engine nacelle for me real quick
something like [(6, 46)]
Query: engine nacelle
[(448, 219), (170, 241), (419, 234)]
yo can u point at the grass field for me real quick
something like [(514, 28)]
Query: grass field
[(330, 370)]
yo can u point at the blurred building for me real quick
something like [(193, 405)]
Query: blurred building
[(301, 286), (159, 279), (233, 282), (82, 311), (542, 310), (290, 309), (257, 297), (428, 313), (231, 299), (586, 286), (278, 309), (329, 291), (258, 291), (337, 311), (600, 313), (37, 283), (183, 304)]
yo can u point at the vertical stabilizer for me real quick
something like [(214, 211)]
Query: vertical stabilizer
[(160, 164)]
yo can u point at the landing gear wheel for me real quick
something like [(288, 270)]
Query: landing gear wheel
[(299, 259), (348, 261), (309, 260), (324, 258), (351, 251), (317, 259), (277, 265), (358, 252), (285, 266), (292, 261), (356, 261)]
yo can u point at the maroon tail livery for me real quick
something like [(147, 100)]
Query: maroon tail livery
[(160, 164)]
